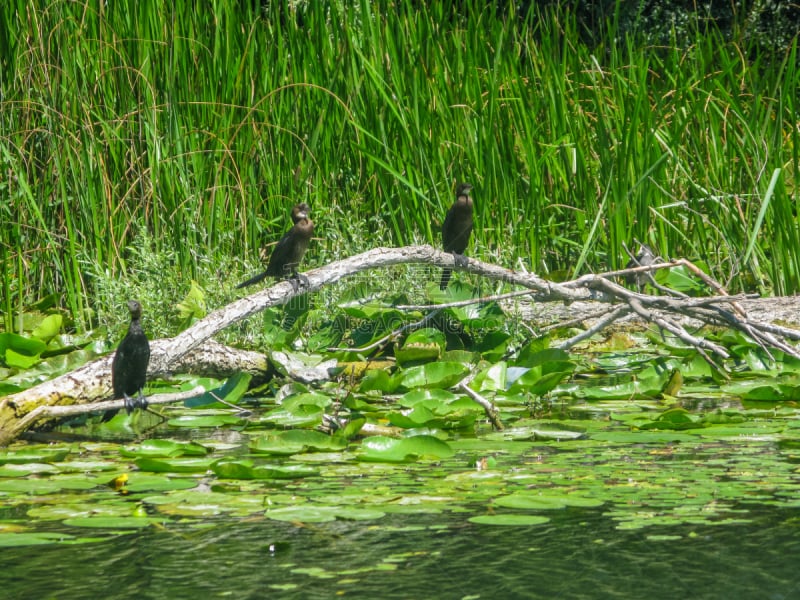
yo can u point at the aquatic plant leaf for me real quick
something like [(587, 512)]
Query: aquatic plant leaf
[(18, 360), (159, 448), (304, 513), (141, 482), (510, 520), (535, 354), (420, 415), (422, 345), (303, 415), (20, 351), (538, 383), (295, 441), (312, 440), (200, 421), (441, 374), (642, 437), (421, 395), (491, 379), (193, 305), (386, 449), (34, 454), (306, 399), (29, 486), (112, 522), (233, 469), (283, 472), (48, 327), (231, 391), (535, 500), (12, 540), (674, 418), (175, 465), (380, 380)]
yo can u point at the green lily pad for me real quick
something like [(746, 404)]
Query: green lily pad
[(34, 455), (245, 469), (440, 374), (417, 417), (424, 396), (283, 472), (68, 510), (175, 465), (142, 482), (231, 392), (532, 500), (510, 520), (642, 437), (348, 513), (200, 421), (386, 449), (48, 327), (304, 513), (304, 415), (491, 379), (29, 486), (19, 351), (233, 469), (12, 540), (21, 470), (421, 345), (380, 380), (112, 522), (296, 440), (164, 449), (312, 513)]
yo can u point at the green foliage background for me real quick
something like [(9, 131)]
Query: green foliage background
[(157, 141)]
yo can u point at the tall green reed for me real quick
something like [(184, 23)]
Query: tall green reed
[(197, 129)]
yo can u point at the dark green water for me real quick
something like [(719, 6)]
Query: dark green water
[(579, 554)]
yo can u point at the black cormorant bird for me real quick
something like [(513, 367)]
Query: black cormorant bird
[(456, 229), (644, 257), (288, 254), (129, 367)]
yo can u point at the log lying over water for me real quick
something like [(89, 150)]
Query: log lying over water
[(193, 351)]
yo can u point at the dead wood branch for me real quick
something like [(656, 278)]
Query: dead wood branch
[(59, 412), (488, 407), (192, 350), (85, 387)]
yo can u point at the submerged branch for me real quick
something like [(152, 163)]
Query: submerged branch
[(489, 408)]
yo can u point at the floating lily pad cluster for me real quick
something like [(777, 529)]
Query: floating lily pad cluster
[(644, 438)]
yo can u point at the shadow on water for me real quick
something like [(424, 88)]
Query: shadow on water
[(579, 554)]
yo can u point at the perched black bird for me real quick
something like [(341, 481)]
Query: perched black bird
[(456, 229), (129, 367), (644, 257), (288, 254)]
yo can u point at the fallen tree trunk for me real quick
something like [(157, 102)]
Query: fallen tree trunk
[(193, 351), (91, 383)]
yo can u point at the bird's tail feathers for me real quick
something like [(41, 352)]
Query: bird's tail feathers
[(253, 280)]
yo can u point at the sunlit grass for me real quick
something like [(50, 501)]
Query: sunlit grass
[(201, 128)]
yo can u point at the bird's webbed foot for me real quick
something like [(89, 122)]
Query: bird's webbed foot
[(298, 280), (132, 404), (460, 260)]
